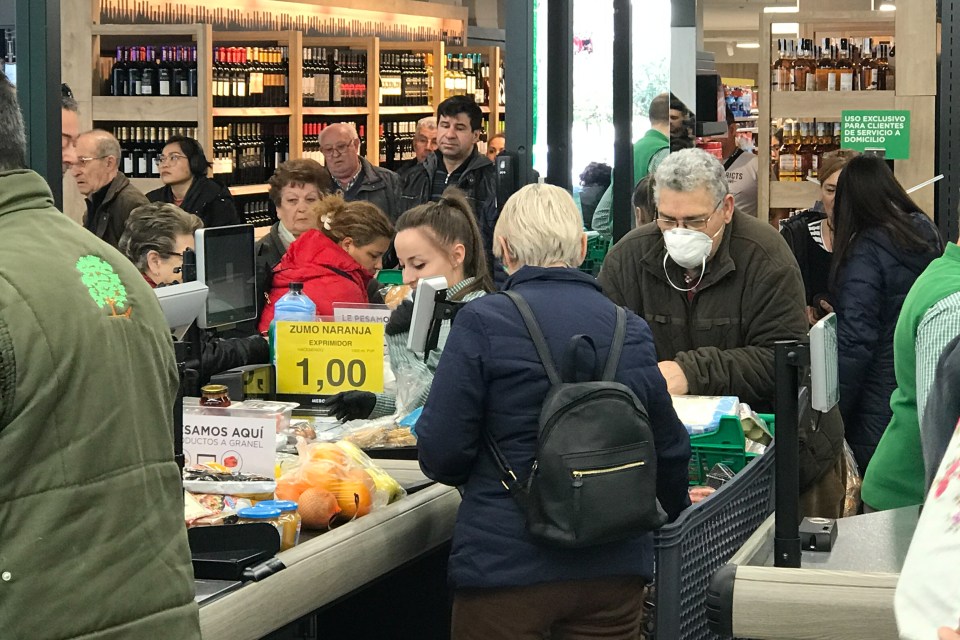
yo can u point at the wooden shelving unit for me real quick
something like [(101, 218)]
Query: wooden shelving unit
[(914, 26)]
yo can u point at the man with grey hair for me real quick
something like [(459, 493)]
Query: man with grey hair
[(87, 406), (353, 175), (424, 143), (110, 196), (717, 286)]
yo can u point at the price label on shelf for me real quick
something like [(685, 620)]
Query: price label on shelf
[(329, 357)]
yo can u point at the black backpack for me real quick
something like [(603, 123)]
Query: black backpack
[(594, 478)]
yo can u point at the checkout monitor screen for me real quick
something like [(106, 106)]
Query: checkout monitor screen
[(225, 263)]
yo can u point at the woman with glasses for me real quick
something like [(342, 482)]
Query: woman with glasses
[(183, 170), (155, 238)]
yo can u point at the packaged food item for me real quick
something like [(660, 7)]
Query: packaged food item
[(214, 395), (267, 515), (290, 520), (206, 479), (701, 414), (395, 294), (207, 509)]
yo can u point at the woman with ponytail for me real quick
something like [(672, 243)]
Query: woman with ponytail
[(435, 239), (335, 260)]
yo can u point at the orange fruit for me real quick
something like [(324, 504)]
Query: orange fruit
[(328, 451), (317, 508), (355, 494), (321, 474), (290, 486)]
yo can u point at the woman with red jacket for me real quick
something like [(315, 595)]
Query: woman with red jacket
[(336, 260)]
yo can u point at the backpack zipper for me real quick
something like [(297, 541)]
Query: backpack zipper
[(578, 475)]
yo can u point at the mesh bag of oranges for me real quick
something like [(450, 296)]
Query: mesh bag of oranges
[(334, 483)]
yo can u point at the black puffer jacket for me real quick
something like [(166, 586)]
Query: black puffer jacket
[(870, 289), (207, 199), (220, 354)]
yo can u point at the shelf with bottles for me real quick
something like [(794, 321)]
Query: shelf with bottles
[(247, 153), (336, 73), (487, 83), (804, 144), (410, 76), (396, 142), (252, 69)]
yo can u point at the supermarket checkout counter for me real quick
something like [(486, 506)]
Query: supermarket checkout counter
[(324, 568), (844, 593)]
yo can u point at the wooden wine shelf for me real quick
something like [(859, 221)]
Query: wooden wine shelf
[(261, 232), (793, 195), (336, 111), (827, 104), (401, 111), (145, 109), (146, 30), (249, 189), (251, 112), (145, 185)]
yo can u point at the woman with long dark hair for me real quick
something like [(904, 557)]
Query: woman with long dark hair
[(883, 241)]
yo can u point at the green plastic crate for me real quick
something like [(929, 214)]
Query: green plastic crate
[(725, 445), (597, 248), (390, 276)]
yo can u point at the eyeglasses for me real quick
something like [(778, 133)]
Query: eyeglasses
[(173, 158), (175, 253), (83, 160), (340, 149), (65, 90), (696, 224)]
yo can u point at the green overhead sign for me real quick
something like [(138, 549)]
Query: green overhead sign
[(887, 130)]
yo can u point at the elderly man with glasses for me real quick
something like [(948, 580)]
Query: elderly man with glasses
[(353, 175), (110, 196), (718, 287)]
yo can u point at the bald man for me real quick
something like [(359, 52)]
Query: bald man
[(353, 175), (110, 196)]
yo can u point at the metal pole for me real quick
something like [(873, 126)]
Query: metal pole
[(948, 121), (560, 93), (786, 542), (38, 87), (622, 118), (520, 85)]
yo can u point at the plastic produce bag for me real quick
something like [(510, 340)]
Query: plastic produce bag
[(853, 482), (335, 483)]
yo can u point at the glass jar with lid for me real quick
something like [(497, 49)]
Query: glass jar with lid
[(289, 520), (267, 515), (214, 395)]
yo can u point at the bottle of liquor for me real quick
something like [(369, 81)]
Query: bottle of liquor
[(805, 67), (789, 162), (885, 75), (845, 71), (806, 151), (307, 83), (826, 68), (139, 155), (150, 153), (336, 80), (126, 158), (149, 85), (164, 74), (868, 67)]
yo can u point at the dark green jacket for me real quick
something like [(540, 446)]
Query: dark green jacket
[(92, 540), (750, 297)]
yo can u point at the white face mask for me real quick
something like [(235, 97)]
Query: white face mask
[(687, 247)]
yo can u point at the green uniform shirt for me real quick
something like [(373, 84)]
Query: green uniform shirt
[(895, 477)]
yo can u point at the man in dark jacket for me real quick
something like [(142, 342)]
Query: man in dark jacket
[(353, 175), (717, 286), (457, 163), (91, 508), (110, 196)]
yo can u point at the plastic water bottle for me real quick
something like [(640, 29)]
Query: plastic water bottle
[(294, 306)]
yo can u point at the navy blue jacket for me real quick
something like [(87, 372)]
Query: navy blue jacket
[(870, 289), (490, 378)]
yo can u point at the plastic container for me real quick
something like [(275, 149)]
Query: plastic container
[(295, 305), (597, 247), (289, 519), (727, 445), (689, 550), (266, 515)]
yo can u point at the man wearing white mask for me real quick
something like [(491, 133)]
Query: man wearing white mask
[(718, 287)]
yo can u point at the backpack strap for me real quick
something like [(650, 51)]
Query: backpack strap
[(616, 347), (537, 336), (508, 478)]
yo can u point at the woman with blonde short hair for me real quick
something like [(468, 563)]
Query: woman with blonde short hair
[(490, 381)]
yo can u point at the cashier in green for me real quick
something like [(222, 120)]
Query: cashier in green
[(718, 287), (435, 239), (92, 542)]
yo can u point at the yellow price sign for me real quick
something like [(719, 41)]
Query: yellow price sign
[(329, 357)]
